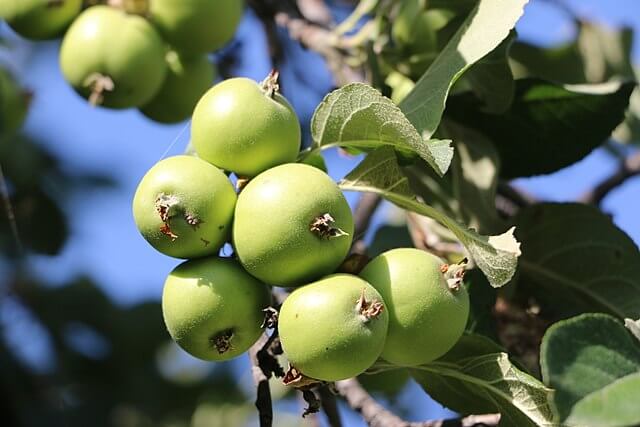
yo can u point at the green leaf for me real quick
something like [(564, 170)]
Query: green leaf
[(379, 173), (483, 30), (583, 358), (576, 259), (596, 55), (477, 377), (482, 299), (389, 237), (612, 406), (358, 116), (475, 178), (548, 126), (491, 78)]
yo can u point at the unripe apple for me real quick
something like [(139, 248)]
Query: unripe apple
[(195, 27), (334, 328), (184, 206), (427, 315), (292, 225), (213, 308), (244, 127), (187, 80), (113, 58), (39, 19)]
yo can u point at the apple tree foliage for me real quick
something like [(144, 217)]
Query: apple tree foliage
[(442, 126)]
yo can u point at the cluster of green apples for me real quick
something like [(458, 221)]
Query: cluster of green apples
[(290, 226), (145, 54)]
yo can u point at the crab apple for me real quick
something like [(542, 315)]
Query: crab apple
[(39, 19), (213, 308), (427, 314), (113, 58), (292, 225), (245, 127), (184, 206), (187, 80), (196, 26), (334, 328)]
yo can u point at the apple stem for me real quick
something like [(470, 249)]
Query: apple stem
[(270, 83), (322, 227), (99, 84), (454, 274)]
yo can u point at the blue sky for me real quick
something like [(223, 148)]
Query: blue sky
[(105, 243)]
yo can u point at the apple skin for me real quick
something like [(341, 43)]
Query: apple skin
[(105, 41), (238, 127), (324, 335), (272, 228), (207, 298), (37, 19), (199, 199), (426, 317), (187, 80), (195, 27)]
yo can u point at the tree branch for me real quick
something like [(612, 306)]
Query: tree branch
[(313, 35), (628, 168), (261, 379), (330, 406), (366, 207), (376, 415)]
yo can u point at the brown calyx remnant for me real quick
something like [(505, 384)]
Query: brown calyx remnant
[(368, 309), (222, 341), (322, 227), (270, 84), (99, 84), (297, 379), (164, 203), (454, 273), (166, 206)]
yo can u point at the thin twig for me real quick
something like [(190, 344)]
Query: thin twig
[(375, 415), (8, 207), (629, 168), (362, 215)]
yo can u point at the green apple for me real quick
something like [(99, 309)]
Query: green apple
[(213, 308), (427, 316), (183, 207), (334, 328), (292, 225)]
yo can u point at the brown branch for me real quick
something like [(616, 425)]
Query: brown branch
[(375, 415), (330, 406), (425, 238), (362, 215), (261, 379), (628, 168), (264, 365), (311, 34)]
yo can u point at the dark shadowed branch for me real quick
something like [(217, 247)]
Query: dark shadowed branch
[(628, 168)]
